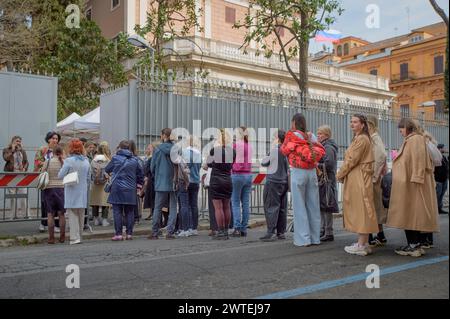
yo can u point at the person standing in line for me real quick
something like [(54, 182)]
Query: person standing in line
[(16, 161), (304, 153), (242, 183), (99, 198), (75, 195), (54, 196), (327, 183), (42, 155), (193, 158), (413, 202), (222, 158), (163, 171), (127, 175), (379, 170), (149, 181), (357, 175), (138, 207), (441, 178), (276, 190)]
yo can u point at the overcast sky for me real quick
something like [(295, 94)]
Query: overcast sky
[(393, 18)]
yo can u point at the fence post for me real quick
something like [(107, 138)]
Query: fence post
[(390, 121), (348, 116), (241, 104), (132, 110), (170, 121)]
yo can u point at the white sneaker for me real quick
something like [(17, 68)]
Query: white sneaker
[(97, 221), (356, 249), (57, 230), (105, 222), (194, 232), (78, 241), (183, 234)]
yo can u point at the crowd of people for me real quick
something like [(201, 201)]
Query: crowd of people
[(167, 181)]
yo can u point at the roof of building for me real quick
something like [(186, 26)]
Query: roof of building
[(433, 29)]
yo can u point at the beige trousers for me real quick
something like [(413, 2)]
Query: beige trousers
[(76, 223)]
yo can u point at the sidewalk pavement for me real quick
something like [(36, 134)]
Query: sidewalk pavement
[(27, 232)]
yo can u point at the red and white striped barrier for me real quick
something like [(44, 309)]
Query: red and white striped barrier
[(259, 178), (29, 180)]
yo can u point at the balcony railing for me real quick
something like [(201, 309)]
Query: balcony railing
[(232, 52), (396, 78)]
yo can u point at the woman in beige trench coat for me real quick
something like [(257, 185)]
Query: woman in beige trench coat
[(413, 203), (99, 198), (356, 173)]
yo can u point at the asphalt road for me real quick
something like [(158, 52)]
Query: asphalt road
[(198, 267)]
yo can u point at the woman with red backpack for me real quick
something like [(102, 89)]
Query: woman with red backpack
[(304, 153)]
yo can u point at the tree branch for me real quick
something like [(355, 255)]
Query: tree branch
[(439, 11)]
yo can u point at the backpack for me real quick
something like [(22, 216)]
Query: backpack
[(310, 152), (435, 154), (100, 177), (182, 173)]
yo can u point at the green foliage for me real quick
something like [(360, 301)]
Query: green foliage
[(166, 21), (82, 59)]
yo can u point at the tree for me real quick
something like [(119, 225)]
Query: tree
[(168, 20), (444, 17), (267, 20), (19, 33), (82, 59)]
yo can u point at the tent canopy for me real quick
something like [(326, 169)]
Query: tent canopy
[(87, 123), (68, 120)]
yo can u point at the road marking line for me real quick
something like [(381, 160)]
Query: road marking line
[(352, 279)]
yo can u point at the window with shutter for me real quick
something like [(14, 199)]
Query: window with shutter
[(230, 15), (403, 71), (438, 64)]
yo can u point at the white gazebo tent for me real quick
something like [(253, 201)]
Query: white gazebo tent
[(87, 126), (68, 120)]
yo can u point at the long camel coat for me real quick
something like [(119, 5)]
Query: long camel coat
[(413, 203), (357, 173)]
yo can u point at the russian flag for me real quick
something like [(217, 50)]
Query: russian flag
[(332, 36)]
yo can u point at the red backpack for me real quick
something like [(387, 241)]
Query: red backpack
[(301, 151)]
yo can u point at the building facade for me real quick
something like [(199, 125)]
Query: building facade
[(215, 48), (414, 63)]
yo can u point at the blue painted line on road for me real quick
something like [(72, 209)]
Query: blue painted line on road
[(352, 279)]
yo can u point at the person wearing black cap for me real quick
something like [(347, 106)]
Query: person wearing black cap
[(42, 155), (441, 178)]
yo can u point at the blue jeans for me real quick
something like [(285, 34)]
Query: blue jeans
[(185, 213), (305, 199), (441, 188), (160, 202), (242, 187), (193, 203), (119, 211)]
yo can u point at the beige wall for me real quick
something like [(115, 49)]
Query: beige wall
[(110, 22)]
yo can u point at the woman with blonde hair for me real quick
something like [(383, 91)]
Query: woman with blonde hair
[(327, 183), (380, 169), (99, 198), (222, 158)]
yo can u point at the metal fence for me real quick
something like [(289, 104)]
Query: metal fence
[(197, 104)]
